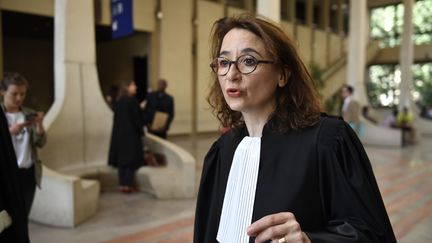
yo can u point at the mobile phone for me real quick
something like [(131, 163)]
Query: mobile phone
[(31, 117)]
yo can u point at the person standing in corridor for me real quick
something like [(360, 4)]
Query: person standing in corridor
[(160, 104), (350, 108), (126, 151), (27, 133)]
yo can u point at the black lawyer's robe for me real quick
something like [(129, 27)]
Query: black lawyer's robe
[(126, 148), (11, 194), (321, 174)]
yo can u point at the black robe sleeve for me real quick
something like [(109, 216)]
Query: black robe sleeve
[(349, 194), (11, 197), (206, 198)]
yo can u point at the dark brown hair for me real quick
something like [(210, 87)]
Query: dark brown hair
[(123, 89), (297, 103), (12, 78)]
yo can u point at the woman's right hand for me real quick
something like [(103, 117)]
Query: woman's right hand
[(278, 228)]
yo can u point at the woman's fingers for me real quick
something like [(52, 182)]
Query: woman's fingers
[(290, 231), (280, 227), (273, 233), (268, 221)]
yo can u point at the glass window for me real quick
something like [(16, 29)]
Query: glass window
[(422, 78), (387, 23), (384, 80), (382, 88), (422, 22)]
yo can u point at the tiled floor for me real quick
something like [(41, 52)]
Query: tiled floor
[(404, 177)]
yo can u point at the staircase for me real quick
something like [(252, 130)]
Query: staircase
[(335, 75)]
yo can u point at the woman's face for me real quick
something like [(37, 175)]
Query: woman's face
[(252, 93), (14, 97), (132, 89)]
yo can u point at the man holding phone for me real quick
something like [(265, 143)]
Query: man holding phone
[(27, 133)]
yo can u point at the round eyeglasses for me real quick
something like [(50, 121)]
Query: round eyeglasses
[(245, 64)]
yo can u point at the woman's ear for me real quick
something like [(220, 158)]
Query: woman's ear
[(284, 77)]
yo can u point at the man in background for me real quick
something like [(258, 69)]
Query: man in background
[(350, 108), (159, 110)]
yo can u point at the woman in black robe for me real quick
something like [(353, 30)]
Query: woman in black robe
[(126, 149), (13, 217), (313, 180)]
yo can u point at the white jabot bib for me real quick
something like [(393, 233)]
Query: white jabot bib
[(240, 192)]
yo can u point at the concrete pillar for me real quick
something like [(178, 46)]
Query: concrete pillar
[(292, 11), (357, 49), (79, 122), (309, 13), (175, 50), (325, 15), (406, 55), (325, 26), (339, 18), (269, 9), (249, 5), (310, 23)]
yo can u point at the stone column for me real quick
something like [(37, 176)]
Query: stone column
[(292, 11), (406, 55), (79, 122), (340, 27), (249, 5), (339, 19), (269, 9), (357, 49), (325, 26), (325, 15), (292, 16), (309, 11)]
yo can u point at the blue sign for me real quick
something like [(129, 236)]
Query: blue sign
[(121, 18)]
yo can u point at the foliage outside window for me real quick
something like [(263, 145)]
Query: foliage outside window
[(422, 22), (387, 23), (422, 76), (382, 87), (384, 80)]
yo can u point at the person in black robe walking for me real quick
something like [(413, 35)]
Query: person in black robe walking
[(127, 149), (284, 172), (13, 216)]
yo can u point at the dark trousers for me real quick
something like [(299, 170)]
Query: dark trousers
[(28, 183), (126, 176), (161, 134)]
